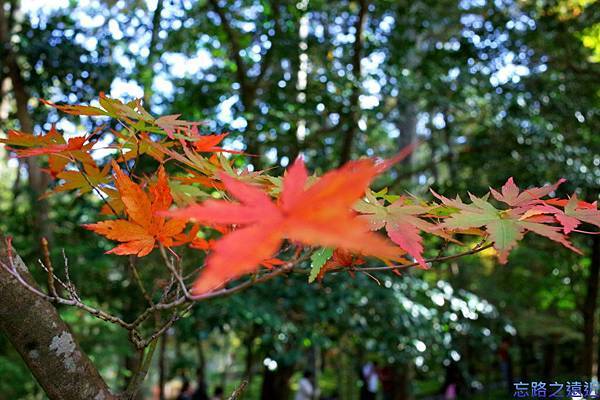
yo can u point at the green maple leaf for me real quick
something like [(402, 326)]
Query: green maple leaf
[(503, 230), (318, 258), (504, 227)]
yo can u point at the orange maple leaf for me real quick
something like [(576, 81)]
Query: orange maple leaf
[(203, 180), (83, 181), (72, 144), (53, 144), (208, 144), (76, 109), (320, 215), (133, 146), (144, 228)]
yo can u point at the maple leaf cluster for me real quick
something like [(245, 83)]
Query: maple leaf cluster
[(254, 214)]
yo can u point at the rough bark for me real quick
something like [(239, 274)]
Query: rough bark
[(354, 112), (589, 365), (45, 342)]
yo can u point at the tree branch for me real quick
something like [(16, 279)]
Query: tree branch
[(354, 111), (38, 181), (268, 57), (148, 71), (474, 250), (45, 342), (237, 393), (240, 72)]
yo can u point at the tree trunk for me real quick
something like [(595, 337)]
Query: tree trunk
[(549, 359), (589, 364), (247, 91), (408, 131), (250, 357), (201, 370), (147, 72), (38, 181), (132, 364), (524, 357), (354, 111), (162, 368), (45, 342), (402, 382), (276, 383)]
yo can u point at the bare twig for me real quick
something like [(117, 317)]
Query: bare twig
[(174, 272), (49, 269), (174, 318), (69, 302), (70, 287), (138, 280)]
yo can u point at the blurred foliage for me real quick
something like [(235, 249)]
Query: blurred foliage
[(491, 88)]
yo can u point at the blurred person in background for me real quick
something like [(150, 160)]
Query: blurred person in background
[(506, 363), (186, 391), (218, 394), (370, 381), (306, 389)]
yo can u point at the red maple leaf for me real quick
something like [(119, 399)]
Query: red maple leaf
[(514, 197), (320, 215), (574, 212)]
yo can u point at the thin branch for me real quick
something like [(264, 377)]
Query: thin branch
[(72, 301), (49, 269), (138, 280), (174, 272), (474, 250), (70, 287), (251, 282), (68, 302), (174, 318), (288, 267), (237, 393)]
